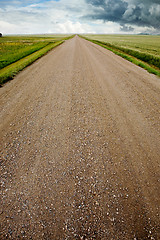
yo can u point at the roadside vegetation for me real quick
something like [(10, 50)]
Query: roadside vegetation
[(14, 51), (17, 52), (142, 50)]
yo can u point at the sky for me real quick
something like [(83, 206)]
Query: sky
[(79, 16)]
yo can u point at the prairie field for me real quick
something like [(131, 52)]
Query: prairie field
[(17, 52), (143, 43), (145, 48)]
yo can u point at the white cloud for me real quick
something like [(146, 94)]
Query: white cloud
[(6, 27), (49, 17), (70, 27)]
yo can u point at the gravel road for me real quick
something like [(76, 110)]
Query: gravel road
[(80, 148)]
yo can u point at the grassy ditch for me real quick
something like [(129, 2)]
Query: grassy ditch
[(8, 72), (12, 52), (147, 61)]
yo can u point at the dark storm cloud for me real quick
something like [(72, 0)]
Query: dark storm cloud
[(133, 12), (108, 10), (145, 1)]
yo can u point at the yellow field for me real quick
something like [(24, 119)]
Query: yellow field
[(143, 43)]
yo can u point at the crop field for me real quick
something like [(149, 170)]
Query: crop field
[(17, 52), (145, 48)]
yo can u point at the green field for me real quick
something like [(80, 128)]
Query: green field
[(17, 52), (143, 50)]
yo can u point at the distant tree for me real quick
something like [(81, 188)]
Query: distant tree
[(0, 34)]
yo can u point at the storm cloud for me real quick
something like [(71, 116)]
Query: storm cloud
[(132, 12)]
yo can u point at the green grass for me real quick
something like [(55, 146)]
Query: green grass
[(12, 52), (137, 49), (17, 52)]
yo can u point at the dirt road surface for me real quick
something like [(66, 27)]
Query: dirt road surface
[(80, 148)]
